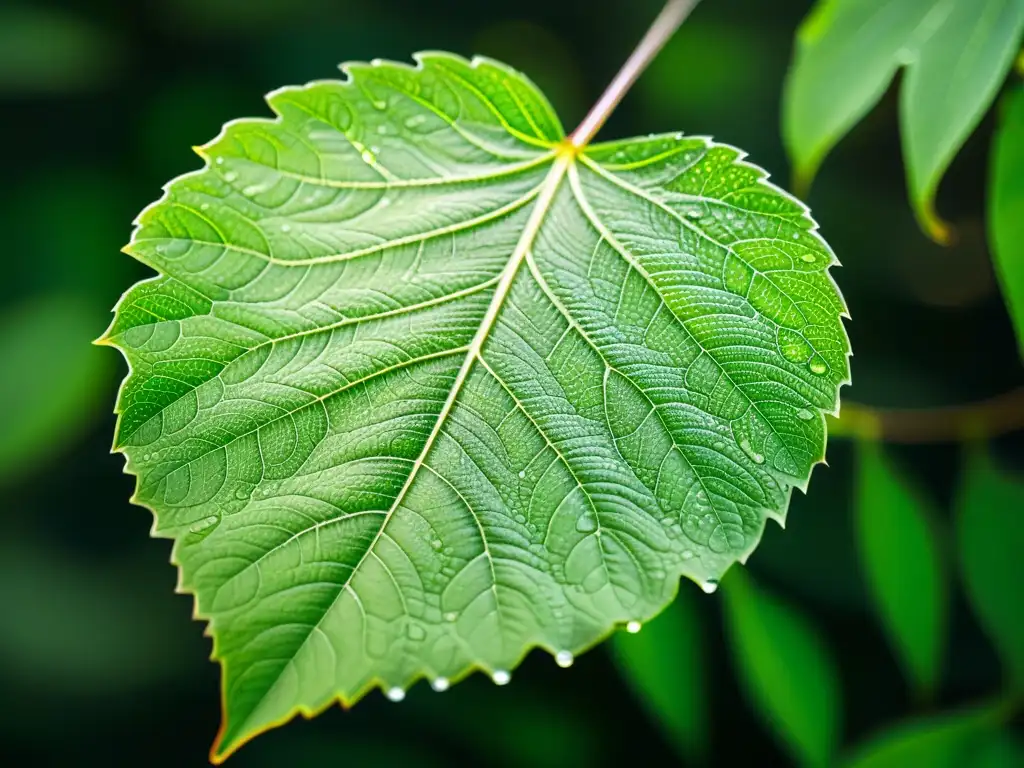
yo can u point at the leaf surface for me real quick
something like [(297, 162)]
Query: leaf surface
[(900, 555), (665, 666), (419, 387), (785, 670), (956, 54), (990, 538), (1006, 209)]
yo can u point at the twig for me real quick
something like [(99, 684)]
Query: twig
[(668, 21), (984, 419)]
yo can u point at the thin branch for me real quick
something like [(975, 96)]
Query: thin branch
[(984, 419), (668, 21)]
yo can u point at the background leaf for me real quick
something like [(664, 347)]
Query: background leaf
[(956, 54), (664, 665), (75, 56), (990, 536), (902, 565), (52, 382), (785, 670), (418, 389), (1006, 208), (944, 741)]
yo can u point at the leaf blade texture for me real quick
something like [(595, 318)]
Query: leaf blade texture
[(990, 534), (955, 55), (785, 669), (1005, 208), (900, 556), (419, 388)]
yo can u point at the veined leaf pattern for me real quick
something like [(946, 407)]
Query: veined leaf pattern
[(419, 386)]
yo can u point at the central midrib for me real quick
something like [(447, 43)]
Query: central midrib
[(547, 193)]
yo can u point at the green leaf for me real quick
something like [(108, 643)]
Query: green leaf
[(420, 387), (785, 670), (664, 665), (902, 565), (1006, 208), (943, 741), (52, 374), (956, 56), (46, 51), (990, 535)]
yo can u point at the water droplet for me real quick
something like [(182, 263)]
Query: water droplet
[(286, 228), (368, 157), (810, 258), (147, 456), (501, 677), (796, 235), (230, 176), (251, 191), (440, 684), (694, 213), (412, 122), (687, 554), (451, 616), (415, 632), (710, 585), (633, 627), (585, 523), (436, 544), (204, 207), (748, 449), (395, 694), (563, 659), (522, 474), (382, 105), (804, 415), (817, 365), (220, 161), (719, 445), (204, 525), (375, 150), (241, 493)]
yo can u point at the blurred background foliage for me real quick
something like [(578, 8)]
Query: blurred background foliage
[(884, 627)]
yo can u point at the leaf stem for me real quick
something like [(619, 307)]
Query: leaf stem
[(984, 419), (663, 27)]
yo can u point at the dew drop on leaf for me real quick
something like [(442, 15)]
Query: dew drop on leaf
[(501, 677), (633, 627), (439, 684), (810, 258), (564, 659), (804, 415), (395, 694), (709, 586), (204, 526), (817, 365)]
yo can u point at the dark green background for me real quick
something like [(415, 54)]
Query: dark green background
[(99, 104)]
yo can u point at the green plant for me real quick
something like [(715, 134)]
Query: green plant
[(423, 384)]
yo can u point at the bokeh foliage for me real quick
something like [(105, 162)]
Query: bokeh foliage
[(95, 645)]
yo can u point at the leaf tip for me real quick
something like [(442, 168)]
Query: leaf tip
[(933, 226)]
